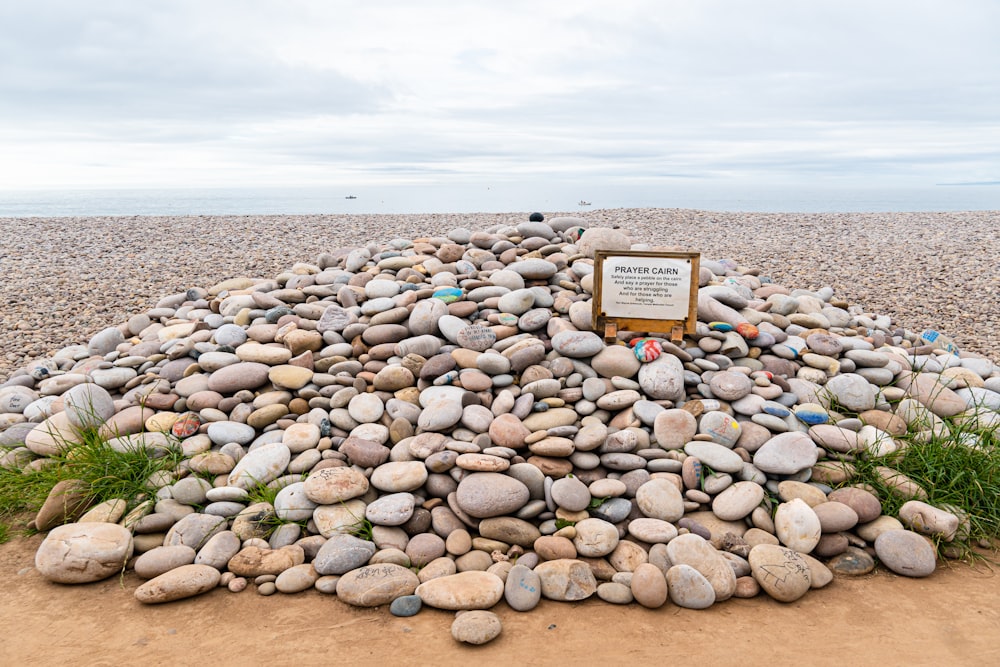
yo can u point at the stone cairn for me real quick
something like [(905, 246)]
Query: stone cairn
[(442, 427)]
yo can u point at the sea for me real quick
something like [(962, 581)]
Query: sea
[(561, 197)]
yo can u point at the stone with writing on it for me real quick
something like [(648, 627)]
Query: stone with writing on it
[(522, 589), (476, 337), (476, 627), (329, 486), (473, 589), (375, 585), (80, 553), (781, 572), (819, 574), (179, 583), (720, 427), (566, 580)]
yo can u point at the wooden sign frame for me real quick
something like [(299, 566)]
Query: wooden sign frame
[(649, 282)]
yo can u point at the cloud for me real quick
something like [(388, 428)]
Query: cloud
[(186, 93)]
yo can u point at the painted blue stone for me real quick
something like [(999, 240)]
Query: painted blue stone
[(776, 409), (407, 605), (812, 417), (448, 294), (720, 326)]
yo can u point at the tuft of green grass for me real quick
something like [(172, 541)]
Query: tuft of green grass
[(362, 529), (105, 472), (261, 493), (960, 471)]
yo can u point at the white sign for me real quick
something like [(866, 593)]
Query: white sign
[(656, 288)]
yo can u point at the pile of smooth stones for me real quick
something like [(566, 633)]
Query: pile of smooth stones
[(442, 426)]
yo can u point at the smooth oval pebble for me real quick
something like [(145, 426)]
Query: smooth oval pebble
[(688, 588), (737, 501), (183, 582), (406, 606), (476, 627), (472, 589), (906, 552), (797, 526), (375, 585)]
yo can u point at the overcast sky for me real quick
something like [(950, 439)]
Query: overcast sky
[(111, 93)]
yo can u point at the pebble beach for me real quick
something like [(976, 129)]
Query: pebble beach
[(66, 278), (440, 426)]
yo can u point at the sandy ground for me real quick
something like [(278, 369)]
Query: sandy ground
[(949, 618)]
